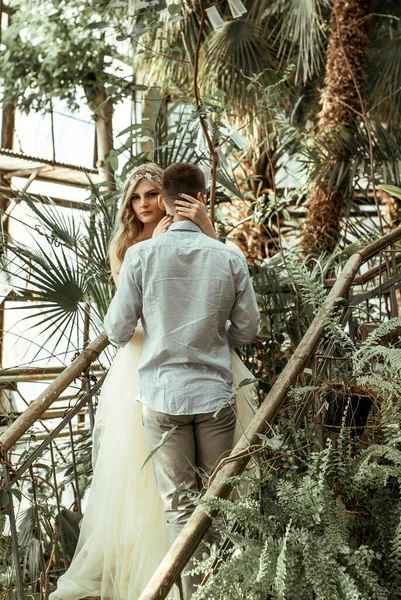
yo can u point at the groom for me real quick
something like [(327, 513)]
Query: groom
[(195, 300)]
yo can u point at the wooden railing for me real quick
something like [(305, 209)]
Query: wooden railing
[(46, 399)]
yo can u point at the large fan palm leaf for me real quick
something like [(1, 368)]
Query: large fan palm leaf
[(231, 56), (58, 223), (57, 283)]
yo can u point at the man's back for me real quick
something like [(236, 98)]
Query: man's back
[(189, 286)]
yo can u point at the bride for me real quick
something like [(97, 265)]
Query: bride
[(123, 535)]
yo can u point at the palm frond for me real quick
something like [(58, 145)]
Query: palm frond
[(56, 281), (176, 136), (86, 238), (168, 63), (29, 542), (301, 36), (384, 78), (326, 158), (57, 222), (99, 230)]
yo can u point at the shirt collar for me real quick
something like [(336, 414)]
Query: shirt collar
[(185, 226)]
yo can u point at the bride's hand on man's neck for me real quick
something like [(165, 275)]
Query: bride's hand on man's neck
[(189, 208)]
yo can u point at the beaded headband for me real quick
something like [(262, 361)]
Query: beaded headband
[(147, 175)]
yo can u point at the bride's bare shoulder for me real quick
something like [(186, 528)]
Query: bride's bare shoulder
[(116, 262)]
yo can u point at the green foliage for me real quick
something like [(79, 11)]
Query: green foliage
[(58, 284), (281, 324), (70, 525), (313, 529), (383, 81), (50, 51), (293, 542), (233, 54), (329, 158), (378, 366)]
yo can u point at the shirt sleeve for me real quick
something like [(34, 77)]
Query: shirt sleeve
[(126, 307), (243, 326)]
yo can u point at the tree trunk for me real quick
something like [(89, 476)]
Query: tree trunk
[(345, 69), (7, 130), (103, 117)]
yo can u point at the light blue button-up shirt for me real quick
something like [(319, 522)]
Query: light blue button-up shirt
[(195, 299)]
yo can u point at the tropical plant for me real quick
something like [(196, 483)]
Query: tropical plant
[(321, 516), (322, 519), (294, 32), (65, 268)]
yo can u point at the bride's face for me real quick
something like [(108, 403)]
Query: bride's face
[(144, 202)]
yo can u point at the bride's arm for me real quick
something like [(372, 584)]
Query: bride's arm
[(115, 265), (195, 209)]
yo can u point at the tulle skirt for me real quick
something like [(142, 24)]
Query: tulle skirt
[(123, 535)]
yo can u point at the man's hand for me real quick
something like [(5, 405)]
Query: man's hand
[(195, 210), (162, 226)]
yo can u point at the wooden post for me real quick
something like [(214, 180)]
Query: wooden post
[(188, 540), (7, 140)]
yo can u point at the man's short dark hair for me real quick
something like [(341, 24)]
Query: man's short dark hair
[(182, 178)]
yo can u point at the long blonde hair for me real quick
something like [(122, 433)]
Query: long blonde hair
[(128, 227)]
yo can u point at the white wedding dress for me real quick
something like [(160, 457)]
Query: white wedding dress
[(123, 535)]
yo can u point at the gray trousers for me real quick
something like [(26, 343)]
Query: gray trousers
[(197, 445)]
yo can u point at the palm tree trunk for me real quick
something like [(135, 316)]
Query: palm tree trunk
[(345, 71)]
